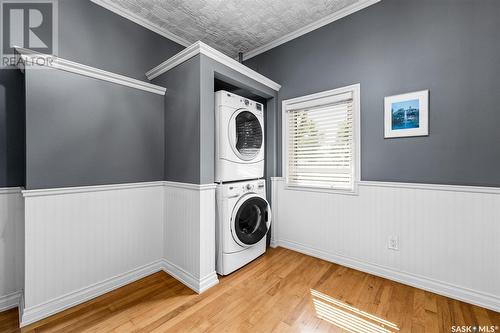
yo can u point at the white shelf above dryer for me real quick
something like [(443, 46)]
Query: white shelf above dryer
[(202, 48)]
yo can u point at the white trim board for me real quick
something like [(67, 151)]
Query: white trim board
[(10, 190), (10, 301), (39, 312), (202, 48), (51, 61), (488, 301), (141, 21), (112, 187), (189, 186), (418, 186), (310, 27), (93, 188), (44, 310), (434, 187), (198, 285)]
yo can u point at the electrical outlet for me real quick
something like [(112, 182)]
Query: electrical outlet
[(393, 243)]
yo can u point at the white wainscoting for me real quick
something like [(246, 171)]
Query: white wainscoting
[(189, 234), (448, 235), (11, 246), (83, 242)]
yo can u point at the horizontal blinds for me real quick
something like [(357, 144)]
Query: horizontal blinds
[(320, 144)]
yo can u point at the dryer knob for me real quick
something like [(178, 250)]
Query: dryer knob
[(249, 187)]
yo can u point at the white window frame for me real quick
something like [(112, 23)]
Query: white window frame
[(287, 104)]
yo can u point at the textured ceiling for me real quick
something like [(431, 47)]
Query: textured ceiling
[(232, 26)]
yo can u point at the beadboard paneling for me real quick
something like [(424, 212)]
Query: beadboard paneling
[(448, 239), (11, 246), (78, 239), (189, 234)]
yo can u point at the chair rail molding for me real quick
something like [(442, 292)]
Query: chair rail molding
[(37, 59), (86, 189), (202, 48)]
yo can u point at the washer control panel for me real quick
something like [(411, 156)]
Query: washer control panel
[(242, 188)]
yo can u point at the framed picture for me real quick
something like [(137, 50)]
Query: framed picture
[(407, 115)]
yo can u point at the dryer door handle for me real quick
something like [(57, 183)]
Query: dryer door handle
[(231, 132)]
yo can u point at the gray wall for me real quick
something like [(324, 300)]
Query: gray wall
[(189, 117), (95, 36), (82, 131), (11, 128), (182, 122), (450, 47), (91, 35)]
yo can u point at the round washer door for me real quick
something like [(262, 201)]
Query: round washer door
[(245, 134), (251, 220)]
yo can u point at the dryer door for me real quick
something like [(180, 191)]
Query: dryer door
[(251, 220), (246, 134)]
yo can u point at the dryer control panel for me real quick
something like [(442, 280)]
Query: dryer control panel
[(238, 102)]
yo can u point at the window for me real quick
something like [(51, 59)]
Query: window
[(320, 140)]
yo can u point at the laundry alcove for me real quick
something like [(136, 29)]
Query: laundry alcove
[(120, 175)]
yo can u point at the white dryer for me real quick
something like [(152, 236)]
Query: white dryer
[(239, 143), (243, 221)]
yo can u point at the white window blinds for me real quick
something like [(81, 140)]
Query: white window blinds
[(320, 142)]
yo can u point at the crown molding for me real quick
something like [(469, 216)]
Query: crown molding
[(141, 21), (202, 48), (107, 4), (36, 59), (310, 27)]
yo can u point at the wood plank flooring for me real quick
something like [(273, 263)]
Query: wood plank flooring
[(282, 291)]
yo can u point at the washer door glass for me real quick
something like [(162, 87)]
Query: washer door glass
[(248, 135), (251, 220)]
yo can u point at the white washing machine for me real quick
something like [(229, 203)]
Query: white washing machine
[(239, 142), (243, 221)]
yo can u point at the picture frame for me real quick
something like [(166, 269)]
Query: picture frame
[(406, 115)]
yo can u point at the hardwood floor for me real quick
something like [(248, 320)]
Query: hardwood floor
[(283, 291)]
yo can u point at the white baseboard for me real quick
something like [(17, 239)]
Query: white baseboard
[(196, 284), (44, 310), (10, 301), (208, 282), (39, 312), (488, 301)]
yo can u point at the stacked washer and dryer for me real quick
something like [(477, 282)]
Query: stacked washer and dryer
[(243, 213)]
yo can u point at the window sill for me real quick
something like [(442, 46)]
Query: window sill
[(299, 188)]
